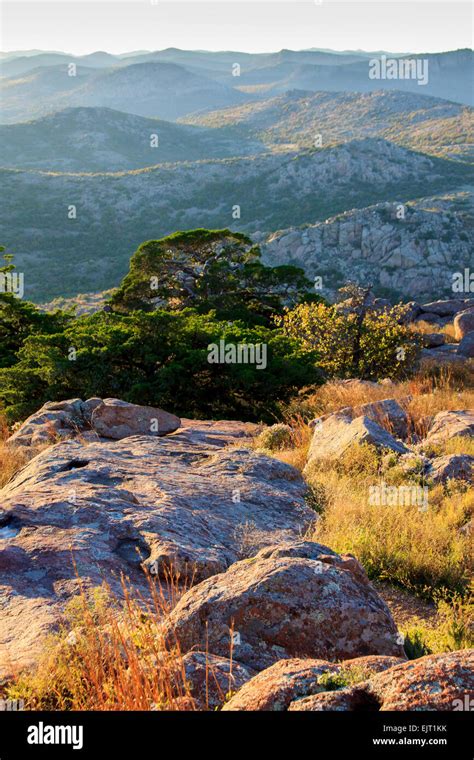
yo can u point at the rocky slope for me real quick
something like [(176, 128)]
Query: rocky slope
[(413, 256), (115, 213)]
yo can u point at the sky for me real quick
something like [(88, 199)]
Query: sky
[(118, 26)]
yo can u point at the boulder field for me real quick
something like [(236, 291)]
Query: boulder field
[(269, 617)]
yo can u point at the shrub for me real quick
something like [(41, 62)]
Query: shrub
[(373, 346), (276, 437)]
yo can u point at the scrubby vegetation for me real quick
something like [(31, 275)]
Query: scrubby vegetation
[(150, 345), (109, 655), (183, 294)]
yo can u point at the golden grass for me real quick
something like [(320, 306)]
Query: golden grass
[(111, 654), (11, 459), (422, 396), (426, 328), (421, 551)]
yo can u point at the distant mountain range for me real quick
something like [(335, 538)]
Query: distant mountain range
[(174, 83), (99, 139), (162, 90), (146, 143)]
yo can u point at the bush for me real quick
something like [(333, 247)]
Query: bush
[(276, 437), (370, 346)]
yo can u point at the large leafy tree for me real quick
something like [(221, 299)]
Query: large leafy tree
[(158, 358), (208, 270)]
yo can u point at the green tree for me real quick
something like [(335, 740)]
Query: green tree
[(208, 270)]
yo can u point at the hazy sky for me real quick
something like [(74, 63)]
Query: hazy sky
[(118, 26)]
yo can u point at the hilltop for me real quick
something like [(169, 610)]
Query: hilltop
[(101, 139)]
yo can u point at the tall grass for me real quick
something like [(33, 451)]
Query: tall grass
[(422, 551), (110, 654)]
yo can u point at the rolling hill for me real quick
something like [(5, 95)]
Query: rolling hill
[(104, 140), (60, 255), (292, 120), (162, 90)]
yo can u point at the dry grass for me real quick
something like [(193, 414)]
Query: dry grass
[(422, 551), (11, 459), (110, 654), (423, 396), (426, 328)]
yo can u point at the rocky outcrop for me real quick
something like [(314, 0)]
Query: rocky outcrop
[(444, 308), (451, 424), (445, 355), (339, 431), (118, 419), (287, 680), (412, 249), (298, 600), (433, 340), (452, 466), (466, 346), (184, 500), (435, 682), (108, 418), (464, 323)]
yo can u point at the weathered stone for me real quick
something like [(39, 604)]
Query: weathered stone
[(444, 308), (111, 418), (281, 607), (429, 317), (451, 424), (456, 466), (388, 413), (444, 355), (211, 679), (275, 687), (335, 434), (117, 419), (466, 346), (436, 682), (179, 500), (464, 323), (433, 340)]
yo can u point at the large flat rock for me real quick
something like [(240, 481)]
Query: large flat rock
[(186, 499)]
